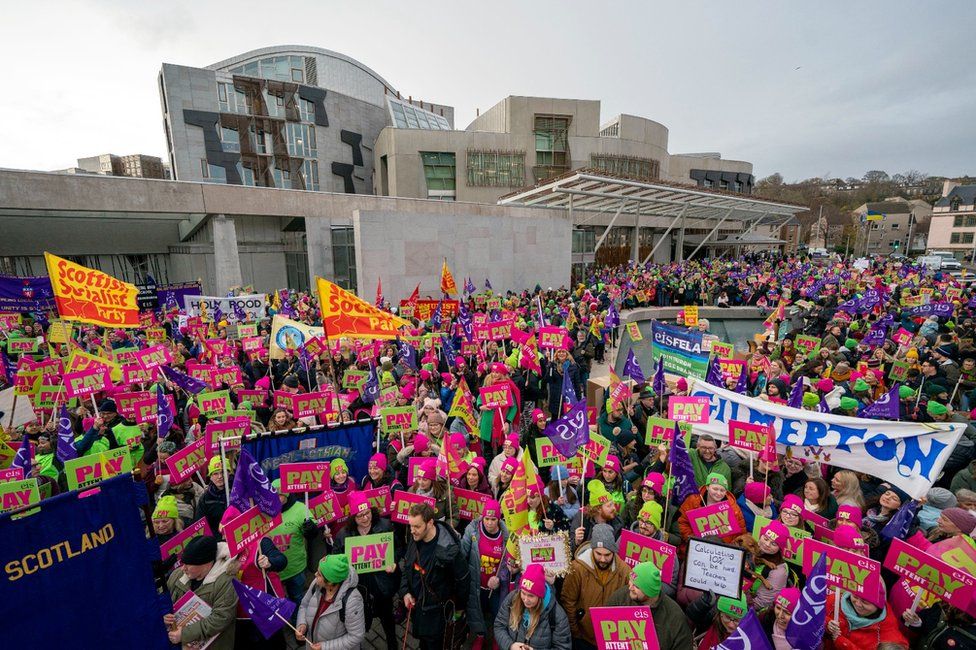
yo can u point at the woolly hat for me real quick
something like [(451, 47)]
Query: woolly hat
[(825, 385), (336, 465), (334, 568), (810, 400), (513, 439), (905, 392), (214, 466), (602, 537), (901, 494), (682, 384), (848, 537), (715, 477), (510, 464), (491, 509), (625, 438), (200, 550), (935, 408), (733, 607), (841, 372), (851, 514), (776, 531), (941, 498), (850, 344), (559, 473), (861, 386), (613, 462), (651, 513), (426, 469), (647, 578), (167, 447), (534, 580), (788, 598), (437, 417), (848, 404), (964, 520), (166, 508), (757, 492), (655, 481), (228, 515), (358, 503), (598, 494), (538, 414), (421, 443), (792, 502), (380, 461), (499, 368)]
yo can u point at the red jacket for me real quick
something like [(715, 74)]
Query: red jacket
[(886, 630)]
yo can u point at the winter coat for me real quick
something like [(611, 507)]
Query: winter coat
[(330, 629), (697, 501), (673, 632), (217, 590), (212, 505), (964, 478), (702, 472), (586, 587), (446, 577), (749, 516), (551, 633), (377, 583), (470, 551), (884, 630)]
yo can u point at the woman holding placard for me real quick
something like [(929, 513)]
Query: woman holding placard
[(531, 617), (861, 624)]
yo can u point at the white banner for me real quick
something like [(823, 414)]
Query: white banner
[(908, 454), (254, 306)]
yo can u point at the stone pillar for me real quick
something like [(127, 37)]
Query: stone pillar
[(679, 251), (318, 243), (227, 261), (635, 244)]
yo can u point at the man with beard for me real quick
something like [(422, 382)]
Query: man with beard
[(644, 590)]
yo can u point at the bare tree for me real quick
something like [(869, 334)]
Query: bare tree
[(876, 176)]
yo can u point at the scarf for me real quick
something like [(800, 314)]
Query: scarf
[(855, 620), (766, 511)]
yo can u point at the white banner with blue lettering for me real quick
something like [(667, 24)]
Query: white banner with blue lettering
[(908, 454)]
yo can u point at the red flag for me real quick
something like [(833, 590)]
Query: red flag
[(379, 293), (415, 296)]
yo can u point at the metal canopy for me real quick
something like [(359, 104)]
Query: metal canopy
[(594, 190)]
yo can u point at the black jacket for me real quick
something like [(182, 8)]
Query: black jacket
[(443, 578), (378, 583)]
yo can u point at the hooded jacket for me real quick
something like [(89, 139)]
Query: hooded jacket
[(670, 623), (472, 554), (217, 590), (587, 587), (330, 629), (551, 633), (884, 629)]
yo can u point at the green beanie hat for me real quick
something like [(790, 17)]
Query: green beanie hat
[(810, 399), (950, 325), (848, 404), (935, 408), (276, 485), (904, 392), (733, 607), (647, 578), (861, 385), (715, 477), (598, 494), (338, 464), (850, 344), (214, 466), (855, 326), (166, 508), (932, 390), (334, 568), (651, 512)]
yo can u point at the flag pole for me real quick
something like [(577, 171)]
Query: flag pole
[(223, 468)]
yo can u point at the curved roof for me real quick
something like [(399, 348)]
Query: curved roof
[(260, 53)]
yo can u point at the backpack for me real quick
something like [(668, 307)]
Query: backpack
[(367, 605)]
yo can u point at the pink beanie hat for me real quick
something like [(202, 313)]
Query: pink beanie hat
[(534, 581), (757, 492), (380, 461)]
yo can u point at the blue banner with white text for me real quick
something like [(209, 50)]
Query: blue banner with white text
[(681, 349), (350, 442)]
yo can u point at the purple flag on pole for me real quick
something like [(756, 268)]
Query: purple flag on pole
[(901, 522), (371, 388), (464, 320), (239, 312), (808, 623), (24, 458), (469, 287), (822, 406), (250, 482), (568, 390), (66, 448), (435, 318), (164, 419), (886, 408), (796, 395), (487, 284), (632, 369), (613, 317), (571, 431), (268, 613), (540, 315), (714, 374), (659, 384), (407, 354), (7, 368), (742, 385), (681, 469), (187, 383), (748, 636)]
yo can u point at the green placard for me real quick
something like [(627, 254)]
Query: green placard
[(215, 403), (17, 494), (21, 345), (596, 449), (398, 419), (86, 471), (354, 378), (899, 371), (723, 350), (370, 553), (244, 413), (247, 330), (793, 550), (809, 344), (547, 454)]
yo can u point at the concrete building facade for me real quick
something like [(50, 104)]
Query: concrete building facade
[(953, 226), (902, 229)]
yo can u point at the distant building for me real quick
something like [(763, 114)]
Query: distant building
[(901, 229), (953, 226), (134, 166)]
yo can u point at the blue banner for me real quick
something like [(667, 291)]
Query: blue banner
[(79, 573), (351, 442), (681, 349), (25, 294)]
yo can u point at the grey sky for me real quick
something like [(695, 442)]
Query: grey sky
[(804, 89)]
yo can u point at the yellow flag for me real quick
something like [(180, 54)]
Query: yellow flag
[(461, 406), (91, 296), (345, 314)]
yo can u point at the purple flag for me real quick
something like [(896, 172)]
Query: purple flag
[(435, 318), (164, 418), (681, 469), (568, 390), (187, 383), (742, 385), (822, 406), (714, 374), (748, 636), (464, 320), (540, 315), (239, 312), (901, 522), (25, 457), (571, 431), (659, 384), (7, 368), (268, 613), (407, 354), (250, 482), (796, 395), (806, 628), (886, 408), (218, 314), (632, 369), (469, 287), (371, 388), (613, 317), (66, 448)]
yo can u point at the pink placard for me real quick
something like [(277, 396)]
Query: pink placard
[(125, 402), (247, 528), (379, 498), (692, 409), (470, 503), (257, 397), (851, 572), (748, 436), (624, 627), (309, 404), (136, 375), (144, 410), (553, 338), (716, 519), (304, 477), (814, 518), (902, 337), (11, 474), (231, 376), (401, 505), (496, 396), (234, 427), (953, 585), (636, 549), (85, 382), (186, 461), (519, 337), (174, 546), (154, 357)]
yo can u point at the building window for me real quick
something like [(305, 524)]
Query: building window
[(230, 139), (496, 168), (217, 174), (306, 110), (894, 226), (954, 204), (954, 239), (296, 270), (551, 146), (642, 168), (344, 257), (439, 171), (957, 221), (310, 171), (967, 237), (970, 220), (297, 75), (707, 183), (204, 168)]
